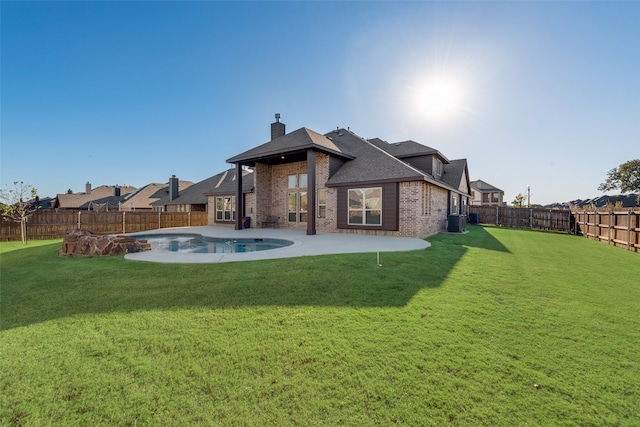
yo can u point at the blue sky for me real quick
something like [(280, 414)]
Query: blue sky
[(548, 93)]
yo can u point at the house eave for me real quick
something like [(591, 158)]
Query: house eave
[(285, 156)]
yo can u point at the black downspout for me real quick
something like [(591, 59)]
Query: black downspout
[(311, 192), (239, 197)]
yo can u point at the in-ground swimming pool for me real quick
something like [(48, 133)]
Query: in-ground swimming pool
[(196, 243)]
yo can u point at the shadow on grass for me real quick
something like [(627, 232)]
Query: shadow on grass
[(38, 285), (484, 240)]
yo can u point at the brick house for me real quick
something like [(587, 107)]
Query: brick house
[(102, 198), (485, 194), (359, 185), (198, 197)]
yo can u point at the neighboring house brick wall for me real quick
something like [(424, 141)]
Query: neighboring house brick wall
[(211, 211)]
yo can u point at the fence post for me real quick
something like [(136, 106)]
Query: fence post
[(629, 229), (159, 216), (124, 222), (609, 228), (497, 216), (78, 220), (530, 217), (189, 219)]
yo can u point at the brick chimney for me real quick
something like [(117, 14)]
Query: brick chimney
[(87, 188), (277, 128), (173, 188)]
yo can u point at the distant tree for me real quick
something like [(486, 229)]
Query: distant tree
[(17, 204), (519, 199), (625, 177)]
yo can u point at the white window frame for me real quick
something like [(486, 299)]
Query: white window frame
[(438, 167), (321, 198), (221, 213), (364, 209)]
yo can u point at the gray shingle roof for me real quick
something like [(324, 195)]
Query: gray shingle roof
[(454, 172), (407, 149), (371, 163), (298, 140), (367, 161), (144, 197), (196, 194), (481, 185), (101, 194)]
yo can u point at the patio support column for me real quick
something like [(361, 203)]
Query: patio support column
[(311, 192), (239, 197)]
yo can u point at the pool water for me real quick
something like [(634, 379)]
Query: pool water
[(196, 243)]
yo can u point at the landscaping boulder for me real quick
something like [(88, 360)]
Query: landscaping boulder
[(85, 243)]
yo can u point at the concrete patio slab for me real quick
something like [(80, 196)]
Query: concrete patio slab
[(303, 245)]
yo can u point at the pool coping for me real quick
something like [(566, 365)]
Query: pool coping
[(303, 245)]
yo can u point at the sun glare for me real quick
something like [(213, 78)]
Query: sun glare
[(437, 100)]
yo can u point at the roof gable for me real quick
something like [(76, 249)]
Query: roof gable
[(371, 163), (456, 175), (406, 149), (296, 141), (481, 186)]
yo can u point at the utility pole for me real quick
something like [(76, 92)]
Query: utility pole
[(528, 196)]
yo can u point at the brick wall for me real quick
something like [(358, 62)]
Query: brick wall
[(328, 224), (280, 190), (422, 206), (423, 209), (262, 192)]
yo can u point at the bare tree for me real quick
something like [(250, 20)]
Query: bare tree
[(17, 204)]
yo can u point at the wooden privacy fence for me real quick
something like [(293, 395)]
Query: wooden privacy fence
[(543, 219), (618, 228), (52, 225)]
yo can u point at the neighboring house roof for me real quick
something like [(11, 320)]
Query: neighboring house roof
[(143, 197), (297, 141), (627, 200), (226, 182), (45, 203), (196, 194), (99, 195), (483, 186)]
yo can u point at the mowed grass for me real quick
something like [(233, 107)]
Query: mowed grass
[(458, 334)]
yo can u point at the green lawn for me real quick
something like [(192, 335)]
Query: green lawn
[(457, 334)]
